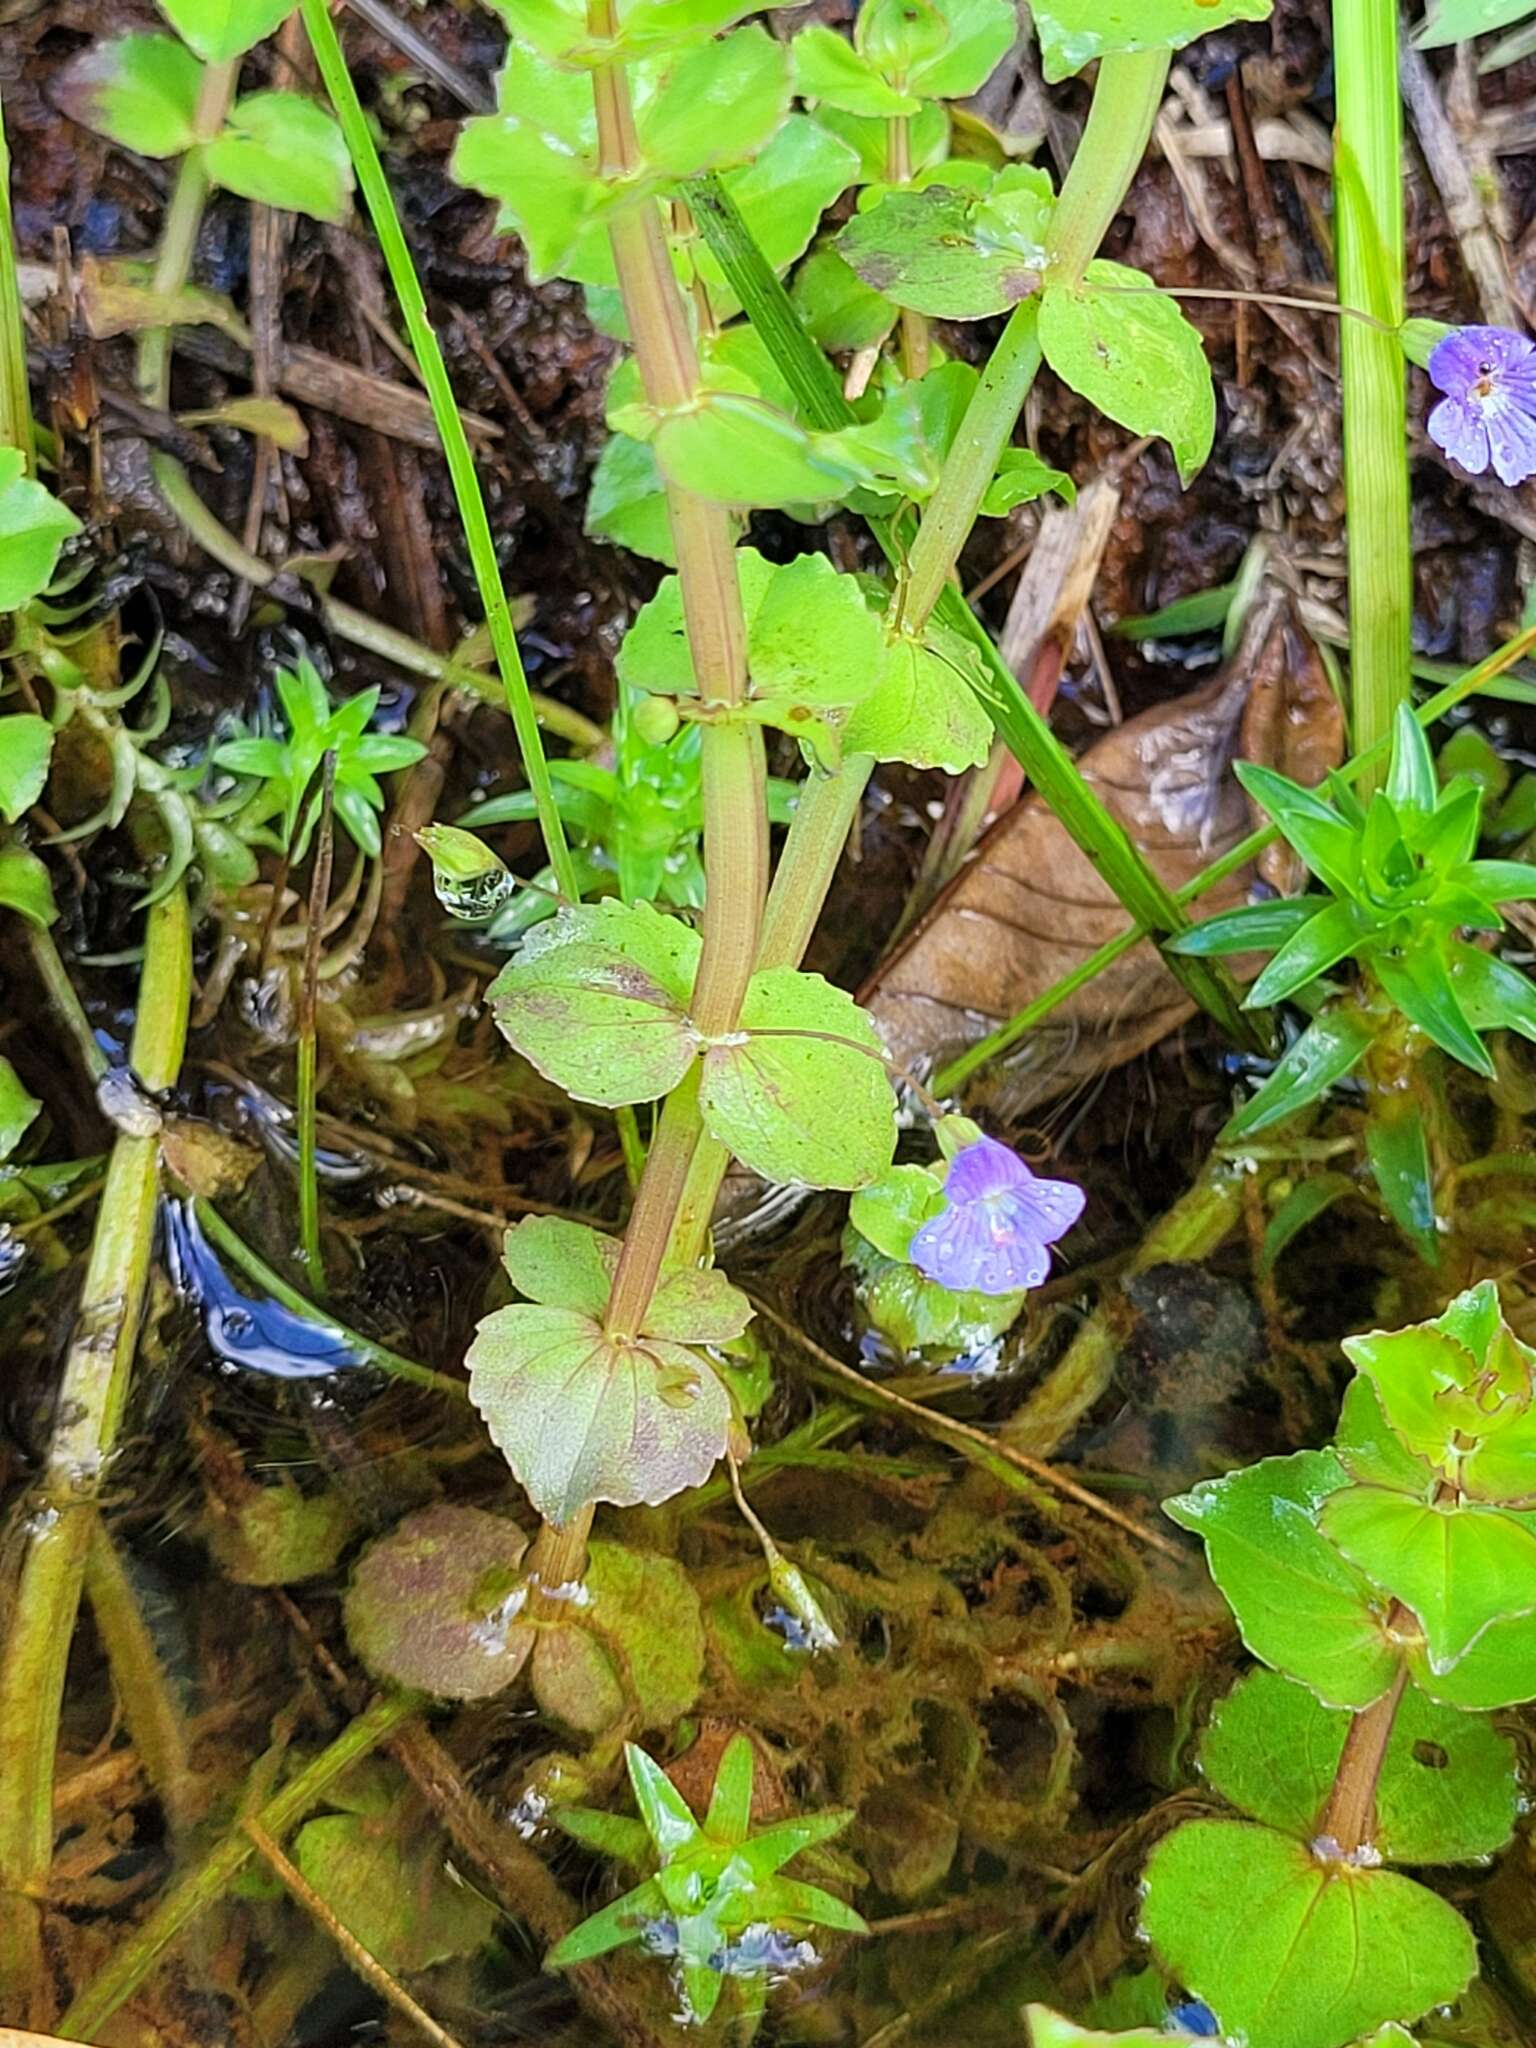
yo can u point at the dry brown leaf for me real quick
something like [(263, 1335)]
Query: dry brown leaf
[(1292, 721), (1031, 907)]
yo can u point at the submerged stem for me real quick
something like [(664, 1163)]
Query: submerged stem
[(307, 1090), (15, 395)]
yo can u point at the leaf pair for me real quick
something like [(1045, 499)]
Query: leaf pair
[(598, 1000), (903, 53), (143, 91)]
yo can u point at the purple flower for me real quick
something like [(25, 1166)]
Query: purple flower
[(998, 1220), (1488, 414)]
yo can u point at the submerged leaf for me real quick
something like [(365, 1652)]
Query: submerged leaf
[(633, 1644), (433, 1604)]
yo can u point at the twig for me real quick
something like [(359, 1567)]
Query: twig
[(998, 1458), (362, 1960)]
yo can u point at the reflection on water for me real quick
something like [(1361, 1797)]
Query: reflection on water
[(258, 1335)]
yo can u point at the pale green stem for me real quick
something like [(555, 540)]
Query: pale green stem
[(1368, 202), (178, 235), (15, 396), (93, 1390)]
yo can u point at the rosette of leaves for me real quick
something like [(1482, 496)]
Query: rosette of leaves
[(288, 766), (1401, 1553), (145, 93), (597, 1000), (582, 1415), (914, 1313), (718, 1902), (1402, 883)]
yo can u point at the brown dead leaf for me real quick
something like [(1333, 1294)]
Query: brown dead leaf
[(1292, 721), (1031, 907)]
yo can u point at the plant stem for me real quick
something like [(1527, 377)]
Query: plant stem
[(461, 462), (138, 1955), (15, 396), (658, 1201), (1349, 1818), (61, 993), (307, 1088), (178, 235), (1368, 199), (144, 1694), (92, 1392), (1126, 97), (898, 170)]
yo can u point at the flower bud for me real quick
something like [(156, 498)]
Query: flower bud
[(471, 882), (655, 720)]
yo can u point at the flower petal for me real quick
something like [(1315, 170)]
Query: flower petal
[(971, 1248), (1456, 363), (1459, 428), (985, 1168), (1511, 439), (1046, 1209)]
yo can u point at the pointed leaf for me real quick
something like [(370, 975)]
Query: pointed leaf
[(33, 528), (615, 1925), (25, 887), (730, 1803), (26, 747), (1491, 994), (1324, 940), (1372, 1451), (767, 1853), (1419, 982), (1252, 928), (662, 1807), (1326, 1051), (1397, 1146), (220, 29), (1411, 780), (828, 68), (923, 710), (809, 1902)]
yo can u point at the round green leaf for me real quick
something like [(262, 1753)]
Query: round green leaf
[(633, 1645), (561, 1264), (596, 999), (139, 90), (923, 710), (26, 747), (1459, 1568), (1130, 351), (895, 1208), (945, 252), (1449, 1790), (282, 149), (1299, 1605), (278, 1536), (33, 528), (1293, 1952), (220, 29), (1498, 1671), (1370, 1449), (718, 104), (386, 1879), (18, 1109), (433, 1604), (581, 1417), (978, 34), (800, 1092), (738, 450), (1073, 32)]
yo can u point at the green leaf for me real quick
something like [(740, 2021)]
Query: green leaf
[(1449, 1790), (611, 1928), (33, 528), (1292, 1951), (284, 150), (799, 1093), (634, 1644), (1419, 983), (25, 887), (905, 443), (840, 311), (1491, 994), (1331, 1045), (891, 1211), (952, 253), (928, 139), (1327, 937), (978, 34), (141, 91), (278, 1536), (662, 1807), (1371, 1450), (737, 450), (917, 1316), (1430, 1385), (781, 196), (18, 1109), (923, 710), (1021, 478), (561, 1264), (1498, 1671), (718, 104), (729, 1818), (1073, 32), (829, 69), (1049, 2030), (386, 1878), (1130, 351), (1329, 846), (581, 1417), (1299, 1605), (1397, 1146), (220, 29), (1252, 927), (1411, 779), (626, 501), (538, 155), (1308, 1200), (1459, 1568), (1458, 21), (596, 1000), (433, 1604), (26, 747)]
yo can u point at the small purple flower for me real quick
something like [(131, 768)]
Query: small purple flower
[(1488, 414), (999, 1218)]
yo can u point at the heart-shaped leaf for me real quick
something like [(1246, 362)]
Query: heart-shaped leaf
[(582, 1417), (1293, 1951)]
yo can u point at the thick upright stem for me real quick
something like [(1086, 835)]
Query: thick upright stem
[(1126, 97), (915, 352), (92, 1393), (1368, 201), (178, 235), (1349, 1818)]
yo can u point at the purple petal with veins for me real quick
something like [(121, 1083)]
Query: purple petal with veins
[(1488, 415), (999, 1219)]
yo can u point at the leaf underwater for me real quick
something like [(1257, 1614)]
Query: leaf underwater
[(1030, 907)]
